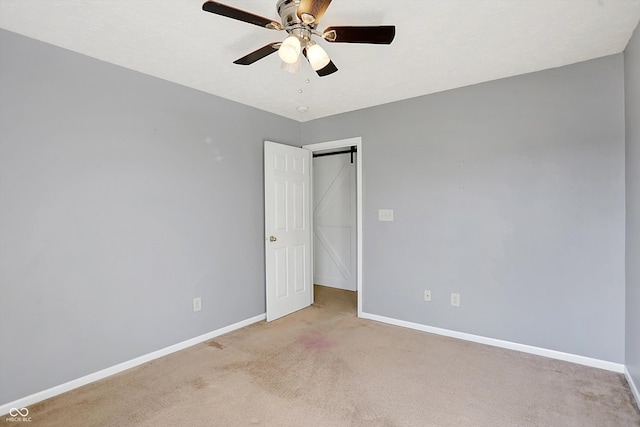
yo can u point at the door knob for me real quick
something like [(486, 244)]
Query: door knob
[(272, 238)]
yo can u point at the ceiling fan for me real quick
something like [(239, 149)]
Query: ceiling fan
[(300, 19)]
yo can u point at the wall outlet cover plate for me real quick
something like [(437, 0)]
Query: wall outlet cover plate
[(455, 300)]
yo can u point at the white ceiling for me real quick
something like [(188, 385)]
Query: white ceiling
[(439, 45)]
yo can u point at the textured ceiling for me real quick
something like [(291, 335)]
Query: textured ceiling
[(439, 45)]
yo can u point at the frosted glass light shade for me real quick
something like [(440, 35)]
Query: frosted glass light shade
[(290, 50), (317, 56), (292, 68)]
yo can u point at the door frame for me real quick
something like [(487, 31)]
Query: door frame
[(344, 143)]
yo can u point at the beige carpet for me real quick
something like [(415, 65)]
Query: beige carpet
[(323, 366)]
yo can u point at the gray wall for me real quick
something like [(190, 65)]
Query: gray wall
[(123, 197), (632, 111), (509, 192)]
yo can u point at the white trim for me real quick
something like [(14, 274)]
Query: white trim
[(79, 382), (632, 386), (349, 142), (568, 357)]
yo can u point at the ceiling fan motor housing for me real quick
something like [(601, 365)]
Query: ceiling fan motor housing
[(288, 11)]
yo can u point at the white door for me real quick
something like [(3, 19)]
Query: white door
[(288, 236), (334, 221)]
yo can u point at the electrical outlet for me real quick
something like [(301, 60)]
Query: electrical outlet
[(427, 295), (455, 300), (197, 304)]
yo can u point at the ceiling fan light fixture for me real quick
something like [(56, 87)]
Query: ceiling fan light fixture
[(317, 57), (291, 68), (289, 51)]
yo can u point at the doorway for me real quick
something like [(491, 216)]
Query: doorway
[(338, 227)]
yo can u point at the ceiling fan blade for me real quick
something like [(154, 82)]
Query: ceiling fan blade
[(258, 54), (310, 11), (330, 68), (240, 15), (383, 34)]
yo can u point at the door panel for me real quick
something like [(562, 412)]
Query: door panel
[(288, 236)]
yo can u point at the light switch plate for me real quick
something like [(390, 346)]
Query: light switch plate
[(385, 215)]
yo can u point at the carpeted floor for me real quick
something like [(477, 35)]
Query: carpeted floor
[(323, 366)]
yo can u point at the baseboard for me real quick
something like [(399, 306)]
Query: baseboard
[(79, 382), (632, 386), (568, 357)]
